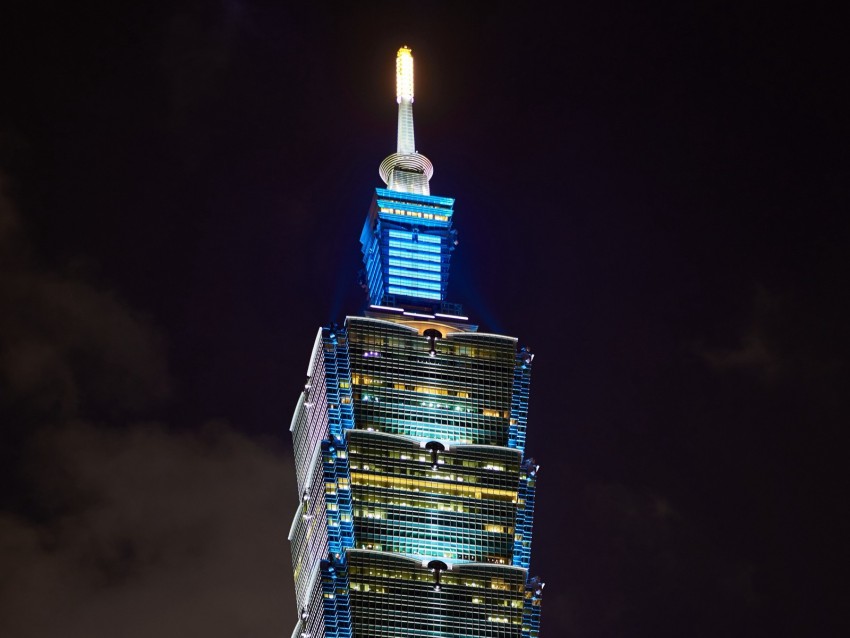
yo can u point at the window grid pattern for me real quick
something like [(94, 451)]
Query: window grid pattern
[(336, 603), (337, 381), (462, 394), (392, 597), (463, 511), (338, 497), (519, 400), (375, 399), (309, 534), (531, 609), (312, 625), (524, 516), (407, 242), (323, 411), (310, 423)]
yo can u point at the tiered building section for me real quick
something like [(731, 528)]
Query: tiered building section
[(416, 495), (407, 242)]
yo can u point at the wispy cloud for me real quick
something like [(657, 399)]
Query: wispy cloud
[(109, 525), (142, 532), (755, 351)]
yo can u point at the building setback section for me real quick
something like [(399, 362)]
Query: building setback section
[(407, 242), (417, 458)]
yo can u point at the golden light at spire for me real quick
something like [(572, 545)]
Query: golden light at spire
[(404, 75)]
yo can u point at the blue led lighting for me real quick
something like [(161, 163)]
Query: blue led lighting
[(414, 197), (412, 283), (404, 263), (393, 252), (412, 245), (428, 239), (394, 290), (401, 272)]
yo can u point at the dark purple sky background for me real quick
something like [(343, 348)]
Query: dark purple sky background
[(653, 199)]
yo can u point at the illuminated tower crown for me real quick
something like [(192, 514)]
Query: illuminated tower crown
[(406, 170), (408, 239)]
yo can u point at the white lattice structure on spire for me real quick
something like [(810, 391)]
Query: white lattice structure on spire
[(406, 171)]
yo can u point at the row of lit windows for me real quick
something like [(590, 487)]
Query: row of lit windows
[(474, 550), (414, 213), (421, 528), (444, 347), (476, 600), (405, 244), (440, 474), (452, 372), (456, 433), (405, 375), (446, 460), (468, 357), (402, 403), (466, 579), (370, 336), (390, 369), (417, 485), (449, 551), (486, 464), (410, 292), (388, 196), (360, 377), (431, 417), (372, 408), (416, 274), (376, 494), (364, 379), (385, 447), (420, 286), (426, 516), (406, 254), (422, 237), (434, 531), (460, 433), (421, 458), (419, 266), (497, 510)]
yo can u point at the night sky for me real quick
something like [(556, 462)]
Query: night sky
[(654, 200)]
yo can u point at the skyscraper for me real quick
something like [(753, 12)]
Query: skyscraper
[(416, 495)]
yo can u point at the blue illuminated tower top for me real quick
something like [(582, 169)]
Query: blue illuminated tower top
[(407, 239)]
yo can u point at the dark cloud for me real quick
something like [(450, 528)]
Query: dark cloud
[(752, 354), (65, 345), (151, 533), (756, 351), (638, 551), (110, 525), (11, 244), (784, 338)]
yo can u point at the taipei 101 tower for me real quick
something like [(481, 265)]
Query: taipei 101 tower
[(416, 496)]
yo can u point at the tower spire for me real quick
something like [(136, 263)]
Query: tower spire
[(404, 97), (406, 171)]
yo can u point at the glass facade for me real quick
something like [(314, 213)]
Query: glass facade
[(407, 242), (416, 497)]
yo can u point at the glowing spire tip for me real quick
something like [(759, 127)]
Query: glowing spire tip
[(404, 75)]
